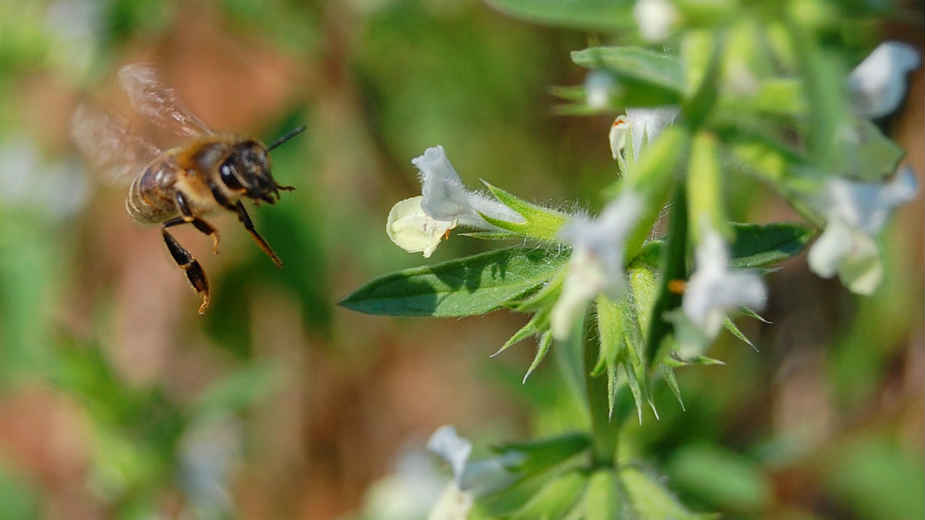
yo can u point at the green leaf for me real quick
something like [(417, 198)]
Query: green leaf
[(545, 296), (463, 287), (541, 223), (593, 15), (674, 361), (720, 477), (760, 245), (542, 349), (543, 454), (603, 500), (672, 381), (555, 499), (635, 65), (650, 500)]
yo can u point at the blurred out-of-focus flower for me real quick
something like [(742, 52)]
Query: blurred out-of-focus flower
[(878, 84), (596, 265), (599, 86), (642, 125), (418, 224), (409, 493), (55, 188), (655, 18), (209, 452), (855, 212), (714, 289)]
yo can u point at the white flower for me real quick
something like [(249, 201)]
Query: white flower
[(598, 87), (656, 19), (470, 479), (418, 224), (596, 265), (642, 125), (878, 84), (855, 213), (714, 288)]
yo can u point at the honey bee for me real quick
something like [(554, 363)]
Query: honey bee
[(210, 172)]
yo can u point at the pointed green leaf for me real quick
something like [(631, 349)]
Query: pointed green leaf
[(540, 455), (555, 499), (674, 361), (636, 66), (757, 245), (463, 287), (610, 328), (602, 500), (545, 296), (589, 15), (541, 351), (650, 499)]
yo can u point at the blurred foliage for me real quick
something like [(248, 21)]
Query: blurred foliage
[(312, 390)]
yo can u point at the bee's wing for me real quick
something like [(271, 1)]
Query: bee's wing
[(110, 148), (157, 102)]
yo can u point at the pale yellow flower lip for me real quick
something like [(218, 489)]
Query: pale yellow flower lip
[(413, 230)]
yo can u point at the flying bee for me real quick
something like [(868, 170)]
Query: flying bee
[(210, 172)]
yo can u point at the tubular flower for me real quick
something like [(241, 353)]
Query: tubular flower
[(642, 125), (855, 213), (596, 265), (418, 224), (878, 84), (714, 289)]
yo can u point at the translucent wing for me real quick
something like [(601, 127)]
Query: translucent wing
[(110, 148), (158, 103)]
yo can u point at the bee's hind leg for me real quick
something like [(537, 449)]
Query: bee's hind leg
[(194, 272)]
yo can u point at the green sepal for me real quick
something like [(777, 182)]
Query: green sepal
[(541, 223), (542, 349), (752, 314), (537, 323), (731, 327), (463, 287), (672, 381), (675, 361), (491, 235), (570, 357)]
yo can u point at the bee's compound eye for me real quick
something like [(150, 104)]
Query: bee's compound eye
[(227, 173)]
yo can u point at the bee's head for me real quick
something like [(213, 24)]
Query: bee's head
[(247, 170)]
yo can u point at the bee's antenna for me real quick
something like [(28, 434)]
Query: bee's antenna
[(286, 137)]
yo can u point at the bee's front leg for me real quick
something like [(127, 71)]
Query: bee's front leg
[(249, 226)]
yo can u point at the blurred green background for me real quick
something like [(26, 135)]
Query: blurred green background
[(118, 401)]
